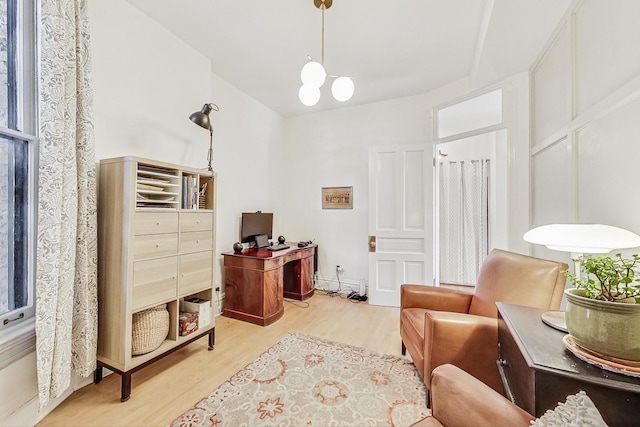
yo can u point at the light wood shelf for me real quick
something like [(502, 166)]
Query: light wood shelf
[(156, 246)]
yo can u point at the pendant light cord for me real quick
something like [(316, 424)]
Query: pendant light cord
[(322, 38)]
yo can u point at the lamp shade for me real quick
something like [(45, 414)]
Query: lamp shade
[(582, 238), (201, 118), (342, 88), (313, 74), (309, 95)]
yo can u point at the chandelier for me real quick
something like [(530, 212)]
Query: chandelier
[(313, 74)]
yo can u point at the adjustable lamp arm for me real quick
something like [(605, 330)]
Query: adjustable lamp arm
[(202, 119), (210, 153)]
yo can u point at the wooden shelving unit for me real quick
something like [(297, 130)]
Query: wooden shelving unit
[(156, 246)]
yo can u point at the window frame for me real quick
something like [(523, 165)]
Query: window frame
[(17, 338)]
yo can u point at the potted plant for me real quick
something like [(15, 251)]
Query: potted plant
[(603, 310)]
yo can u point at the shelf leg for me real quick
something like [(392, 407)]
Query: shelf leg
[(212, 338), (97, 374), (126, 387)]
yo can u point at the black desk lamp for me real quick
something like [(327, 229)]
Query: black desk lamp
[(201, 118)]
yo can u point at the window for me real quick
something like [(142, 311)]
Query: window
[(18, 162)]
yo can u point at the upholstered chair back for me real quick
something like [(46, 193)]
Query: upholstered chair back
[(517, 279)]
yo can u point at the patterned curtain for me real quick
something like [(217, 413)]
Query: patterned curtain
[(464, 217), (66, 278)]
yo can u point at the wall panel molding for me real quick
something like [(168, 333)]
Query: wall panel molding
[(575, 158)]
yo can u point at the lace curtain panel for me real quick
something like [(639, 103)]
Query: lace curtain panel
[(66, 278), (464, 231)]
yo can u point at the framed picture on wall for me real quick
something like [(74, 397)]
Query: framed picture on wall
[(337, 197)]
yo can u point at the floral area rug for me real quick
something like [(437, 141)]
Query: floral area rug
[(309, 381)]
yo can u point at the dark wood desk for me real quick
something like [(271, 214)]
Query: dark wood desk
[(257, 281), (538, 372)]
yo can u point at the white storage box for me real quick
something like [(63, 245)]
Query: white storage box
[(200, 306)]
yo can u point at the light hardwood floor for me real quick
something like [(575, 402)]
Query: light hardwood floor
[(165, 389)]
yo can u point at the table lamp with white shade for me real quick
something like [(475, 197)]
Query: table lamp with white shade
[(579, 239)]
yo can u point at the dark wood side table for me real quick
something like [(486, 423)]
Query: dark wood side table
[(538, 372)]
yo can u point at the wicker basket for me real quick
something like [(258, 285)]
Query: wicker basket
[(150, 328)]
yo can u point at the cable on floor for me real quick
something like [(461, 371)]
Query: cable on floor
[(301, 304)]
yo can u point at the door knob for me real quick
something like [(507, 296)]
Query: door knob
[(372, 243)]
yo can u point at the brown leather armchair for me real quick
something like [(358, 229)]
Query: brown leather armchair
[(440, 326), (458, 399)]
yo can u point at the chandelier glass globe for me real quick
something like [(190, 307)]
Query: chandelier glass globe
[(309, 95), (342, 88), (313, 74)]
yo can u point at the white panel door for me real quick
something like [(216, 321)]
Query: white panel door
[(399, 219)]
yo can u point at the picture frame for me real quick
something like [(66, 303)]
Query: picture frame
[(337, 197)]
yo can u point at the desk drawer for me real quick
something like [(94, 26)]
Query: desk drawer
[(154, 245), (155, 223), (196, 241), (154, 281), (196, 221)]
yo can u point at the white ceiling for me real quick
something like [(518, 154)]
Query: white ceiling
[(391, 49)]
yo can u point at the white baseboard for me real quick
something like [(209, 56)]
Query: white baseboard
[(332, 284), (29, 414)]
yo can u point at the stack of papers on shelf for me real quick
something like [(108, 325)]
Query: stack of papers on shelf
[(152, 197), (148, 187)]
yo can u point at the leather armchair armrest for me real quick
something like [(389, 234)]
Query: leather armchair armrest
[(467, 341), (432, 298), (458, 399)]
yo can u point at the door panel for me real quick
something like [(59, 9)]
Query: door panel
[(414, 271), (414, 199), (386, 274), (384, 207), (399, 205), (385, 244)]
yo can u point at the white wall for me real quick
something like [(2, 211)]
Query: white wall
[(247, 146), (146, 84), (330, 149), (142, 109), (586, 103)]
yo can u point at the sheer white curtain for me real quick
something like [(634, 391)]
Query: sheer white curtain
[(66, 275), (464, 234)]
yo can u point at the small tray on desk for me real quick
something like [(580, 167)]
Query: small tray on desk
[(555, 319)]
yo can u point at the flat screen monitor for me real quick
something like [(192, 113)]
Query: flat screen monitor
[(255, 223)]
